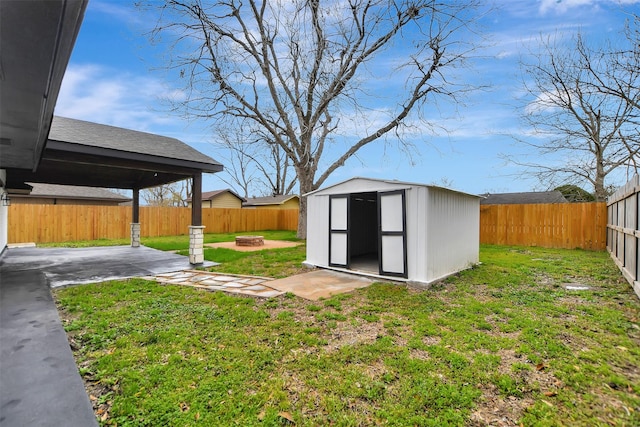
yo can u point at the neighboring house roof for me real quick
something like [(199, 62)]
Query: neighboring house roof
[(210, 195), (532, 197), (269, 200), (74, 192)]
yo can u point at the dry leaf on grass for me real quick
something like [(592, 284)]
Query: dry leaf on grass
[(287, 416)]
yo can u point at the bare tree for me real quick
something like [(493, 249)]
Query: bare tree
[(577, 114), (311, 74), (623, 60), (256, 164), (277, 174), (238, 171), (175, 194)]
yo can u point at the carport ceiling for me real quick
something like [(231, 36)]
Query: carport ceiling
[(90, 154)]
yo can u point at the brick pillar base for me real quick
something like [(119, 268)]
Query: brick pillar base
[(196, 243), (135, 234)]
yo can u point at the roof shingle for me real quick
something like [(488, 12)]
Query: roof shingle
[(110, 137), (524, 198)]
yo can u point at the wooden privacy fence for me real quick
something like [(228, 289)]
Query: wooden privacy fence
[(623, 231), (62, 223), (558, 225)]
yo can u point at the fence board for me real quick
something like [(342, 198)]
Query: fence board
[(623, 233), (560, 225), (62, 223)]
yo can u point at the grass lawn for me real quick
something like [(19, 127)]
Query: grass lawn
[(174, 243), (502, 344), (276, 263)]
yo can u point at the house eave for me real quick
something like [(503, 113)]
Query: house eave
[(68, 147)]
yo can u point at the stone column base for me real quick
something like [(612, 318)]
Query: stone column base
[(196, 244), (135, 234)]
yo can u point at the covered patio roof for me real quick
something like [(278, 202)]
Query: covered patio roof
[(90, 154)]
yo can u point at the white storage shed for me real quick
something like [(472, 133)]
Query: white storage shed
[(390, 229)]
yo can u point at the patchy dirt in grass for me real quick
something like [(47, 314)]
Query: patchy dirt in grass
[(496, 409), (492, 409), (348, 334)]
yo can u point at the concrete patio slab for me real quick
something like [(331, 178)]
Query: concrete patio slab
[(320, 284), (69, 266)]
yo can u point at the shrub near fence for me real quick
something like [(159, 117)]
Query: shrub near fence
[(558, 225), (623, 233), (62, 223)]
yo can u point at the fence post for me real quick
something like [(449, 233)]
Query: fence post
[(623, 223)]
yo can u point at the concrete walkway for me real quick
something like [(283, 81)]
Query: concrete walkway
[(318, 284), (313, 285), (243, 285)]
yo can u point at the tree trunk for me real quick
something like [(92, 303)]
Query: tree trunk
[(599, 190), (306, 186), (302, 218)]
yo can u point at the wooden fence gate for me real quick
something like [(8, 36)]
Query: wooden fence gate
[(623, 231)]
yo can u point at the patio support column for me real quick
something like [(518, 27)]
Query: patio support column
[(135, 219), (196, 229)]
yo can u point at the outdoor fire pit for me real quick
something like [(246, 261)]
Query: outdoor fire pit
[(249, 240)]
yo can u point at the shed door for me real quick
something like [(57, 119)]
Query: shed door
[(339, 230), (393, 236)]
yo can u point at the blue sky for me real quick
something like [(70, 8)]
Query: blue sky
[(115, 77)]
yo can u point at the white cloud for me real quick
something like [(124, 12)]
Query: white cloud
[(562, 6), (103, 95), (544, 102), (123, 12)]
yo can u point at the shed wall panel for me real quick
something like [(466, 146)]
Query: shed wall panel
[(453, 233), (417, 233)]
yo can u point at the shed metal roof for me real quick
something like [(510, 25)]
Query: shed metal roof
[(386, 181)]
